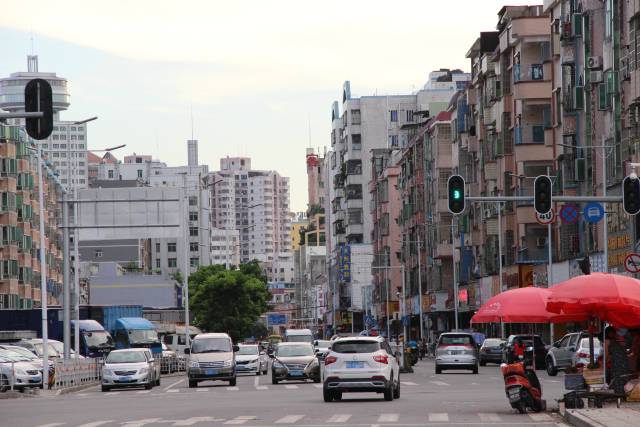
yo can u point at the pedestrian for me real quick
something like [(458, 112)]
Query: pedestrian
[(617, 362), (518, 349)]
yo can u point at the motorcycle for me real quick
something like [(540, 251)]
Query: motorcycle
[(412, 349), (522, 387)]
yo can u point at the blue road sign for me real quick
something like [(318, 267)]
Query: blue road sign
[(593, 212), (569, 214), (276, 319)]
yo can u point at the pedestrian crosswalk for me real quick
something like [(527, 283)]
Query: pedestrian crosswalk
[(328, 420)]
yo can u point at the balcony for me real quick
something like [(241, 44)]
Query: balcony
[(529, 134), (530, 83)]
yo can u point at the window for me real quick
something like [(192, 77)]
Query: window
[(356, 142), (73, 128), (139, 173), (193, 246), (172, 262), (73, 137), (193, 216), (194, 262), (63, 137), (56, 154), (98, 253), (193, 231), (355, 118), (409, 115), (157, 262), (393, 115), (171, 247), (157, 247), (193, 201), (81, 138), (393, 140), (110, 174)]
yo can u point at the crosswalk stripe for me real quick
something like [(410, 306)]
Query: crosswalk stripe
[(540, 417), (143, 392), (407, 383), (202, 389), (438, 383), (388, 418), (262, 387), (233, 388), (439, 417), (291, 387), (173, 390), (194, 420), (290, 419), (141, 423), (51, 425), (339, 418), (241, 419), (490, 418), (96, 423)]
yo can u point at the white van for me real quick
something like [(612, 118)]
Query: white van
[(298, 335)]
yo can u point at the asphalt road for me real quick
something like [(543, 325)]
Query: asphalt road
[(426, 400)]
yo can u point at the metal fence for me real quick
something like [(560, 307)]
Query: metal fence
[(76, 372)]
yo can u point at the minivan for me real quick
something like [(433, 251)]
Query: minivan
[(212, 358)]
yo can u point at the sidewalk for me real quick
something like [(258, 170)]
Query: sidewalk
[(627, 415)]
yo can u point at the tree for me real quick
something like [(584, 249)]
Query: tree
[(228, 301)]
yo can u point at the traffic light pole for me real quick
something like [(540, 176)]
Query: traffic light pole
[(576, 199)]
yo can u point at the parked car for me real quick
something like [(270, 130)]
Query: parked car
[(581, 357), (361, 364), (321, 348), (250, 358), (169, 363), (568, 351), (456, 350), (36, 346), (23, 372), (35, 360), (294, 361), (491, 351), (212, 358), (132, 367), (539, 350)]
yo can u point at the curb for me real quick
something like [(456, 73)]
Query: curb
[(16, 395), (74, 389), (575, 418)]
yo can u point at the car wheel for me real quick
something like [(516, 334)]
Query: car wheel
[(396, 391), (337, 396), (316, 380), (551, 369), (258, 372), (193, 384), (158, 382), (148, 386), (388, 393), (438, 370), (105, 388), (327, 395), (232, 382)]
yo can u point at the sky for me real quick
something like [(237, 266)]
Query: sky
[(258, 77)]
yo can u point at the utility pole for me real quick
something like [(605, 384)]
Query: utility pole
[(420, 290), (455, 276)]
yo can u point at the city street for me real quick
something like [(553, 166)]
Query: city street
[(456, 398)]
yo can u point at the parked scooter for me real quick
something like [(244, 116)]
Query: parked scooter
[(522, 386)]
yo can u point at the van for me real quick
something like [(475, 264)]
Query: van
[(212, 359), (298, 335), (94, 340), (137, 332)]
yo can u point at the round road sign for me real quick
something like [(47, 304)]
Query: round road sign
[(546, 218), (569, 214), (632, 263)]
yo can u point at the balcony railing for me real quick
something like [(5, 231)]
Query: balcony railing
[(529, 134), (534, 72)]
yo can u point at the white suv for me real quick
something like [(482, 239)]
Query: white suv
[(360, 364)]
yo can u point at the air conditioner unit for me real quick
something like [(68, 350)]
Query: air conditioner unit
[(595, 76), (594, 62), (541, 242)]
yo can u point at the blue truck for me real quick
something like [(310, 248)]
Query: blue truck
[(136, 332)]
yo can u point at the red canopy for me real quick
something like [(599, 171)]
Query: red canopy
[(522, 305), (608, 297)]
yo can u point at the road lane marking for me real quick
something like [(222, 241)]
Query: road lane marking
[(200, 389), (290, 419), (112, 393), (439, 418), (262, 387), (51, 425), (173, 390), (241, 419), (407, 383), (490, 418), (141, 423), (339, 418), (174, 384), (540, 417), (96, 423), (233, 388), (194, 420), (143, 392), (439, 383), (388, 418), (291, 387), (256, 381), (317, 385)]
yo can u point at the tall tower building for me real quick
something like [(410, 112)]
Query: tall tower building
[(193, 152)]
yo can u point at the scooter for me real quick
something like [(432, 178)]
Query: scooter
[(522, 387)]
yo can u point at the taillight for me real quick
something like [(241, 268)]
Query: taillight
[(583, 355), (381, 358), (329, 360)]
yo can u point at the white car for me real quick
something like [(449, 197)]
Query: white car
[(24, 373), (581, 357), (133, 367), (249, 358), (360, 364)]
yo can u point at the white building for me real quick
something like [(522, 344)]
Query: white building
[(256, 203), (225, 247)]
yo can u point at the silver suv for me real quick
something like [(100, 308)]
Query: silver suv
[(562, 353), (456, 350)]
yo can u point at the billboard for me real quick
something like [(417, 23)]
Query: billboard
[(344, 263), (276, 319)]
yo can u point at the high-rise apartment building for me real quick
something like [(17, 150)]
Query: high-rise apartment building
[(256, 203)]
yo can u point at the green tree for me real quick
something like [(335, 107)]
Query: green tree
[(228, 301)]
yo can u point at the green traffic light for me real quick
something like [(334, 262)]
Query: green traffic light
[(456, 194)]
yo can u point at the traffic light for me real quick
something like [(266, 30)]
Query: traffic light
[(631, 195), (455, 188), (38, 98), (542, 190)]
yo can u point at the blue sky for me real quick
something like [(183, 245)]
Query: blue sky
[(257, 73)]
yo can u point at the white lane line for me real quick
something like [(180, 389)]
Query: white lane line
[(256, 381), (317, 385), (540, 417), (174, 384), (112, 393), (173, 390), (388, 418), (200, 389), (439, 418), (241, 419), (233, 388), (96, 423), (51, 425), (407, 383), (490, 418), (141, 423), (194, 420), (291, 387), (339, 418), (262, 387), (439, 383), (82, 394), (143, 392), (290, 419)]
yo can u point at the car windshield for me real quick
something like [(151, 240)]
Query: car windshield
[(126, 357), (456, 340), (211, 345), (24, 352), (98, 339), (299, 338), (246, 350), (492, 342), (355, 346), (294, 350), (51, 351), (13, 356), (323, 344), (142, 336)]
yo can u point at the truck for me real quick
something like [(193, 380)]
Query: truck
[(136, 332), (95, 337), (298, 335)]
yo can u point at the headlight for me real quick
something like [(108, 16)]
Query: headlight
[(21, 372), (254, 361), (107, 372), (277, 364), (228, 363), (194, 364), (144, 371)]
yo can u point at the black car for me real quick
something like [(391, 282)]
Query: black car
[(539, 350), (491, 351)]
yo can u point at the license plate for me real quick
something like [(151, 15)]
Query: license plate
[(296, 373), (211, 372), (355, 365), (514, 396), (452, 352)]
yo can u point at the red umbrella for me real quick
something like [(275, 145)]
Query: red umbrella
[(522, 305), (608, 297)]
